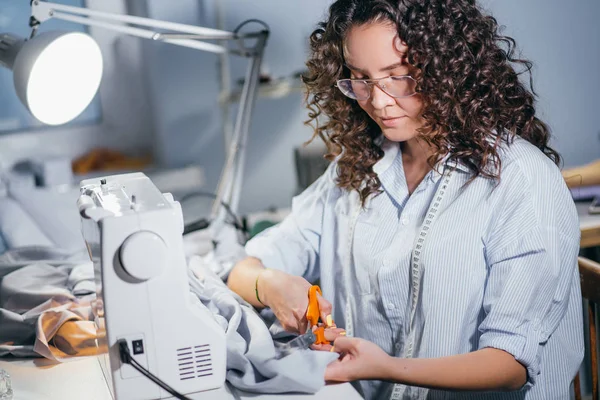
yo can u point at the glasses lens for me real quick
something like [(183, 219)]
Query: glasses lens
[(358, 90), (400, 86)]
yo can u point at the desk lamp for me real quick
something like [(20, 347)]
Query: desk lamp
[(57, 74)]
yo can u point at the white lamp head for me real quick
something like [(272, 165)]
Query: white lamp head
[(56, 74)]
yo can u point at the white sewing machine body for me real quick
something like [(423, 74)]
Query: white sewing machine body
[(134, 236)]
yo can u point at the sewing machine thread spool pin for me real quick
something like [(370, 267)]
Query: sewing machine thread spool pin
[(134, 205), (103, 186)]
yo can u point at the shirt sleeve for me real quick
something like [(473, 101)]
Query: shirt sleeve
[(531, 253), (293, 245)]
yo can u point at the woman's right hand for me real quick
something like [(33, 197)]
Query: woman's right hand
[(287, 296)]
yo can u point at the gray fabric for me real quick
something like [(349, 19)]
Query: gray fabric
[(55, 213), (253, 362), (219, 253), (18, 227), (35, 301), (3, 245)]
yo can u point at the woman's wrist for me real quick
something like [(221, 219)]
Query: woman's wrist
[(390, 369), (261, 287)]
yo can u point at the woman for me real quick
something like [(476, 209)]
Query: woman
[(443, 235)]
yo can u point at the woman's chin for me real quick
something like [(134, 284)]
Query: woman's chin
[(398, 135)]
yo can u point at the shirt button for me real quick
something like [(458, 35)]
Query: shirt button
[(405, 221), (391, 306)]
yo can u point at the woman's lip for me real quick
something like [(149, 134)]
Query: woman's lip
[(391, 122)]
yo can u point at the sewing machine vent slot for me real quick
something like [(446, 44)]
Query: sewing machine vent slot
[(194, 362)]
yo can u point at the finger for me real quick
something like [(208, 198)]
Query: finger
[(344, 344), (303, 325), (325, 309), (290, 324), (300, 321), (333, 333), (336, 371), (321, 347)]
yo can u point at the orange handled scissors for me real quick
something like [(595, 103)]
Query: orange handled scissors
[(313, 313)]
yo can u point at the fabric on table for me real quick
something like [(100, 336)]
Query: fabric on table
[(42, 315), (253, 363), (45, 310)]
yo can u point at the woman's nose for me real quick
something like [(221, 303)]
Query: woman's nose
[(379, 98)]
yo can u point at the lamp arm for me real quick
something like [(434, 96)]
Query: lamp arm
[(43, 11), (230, 186), (188, 36)]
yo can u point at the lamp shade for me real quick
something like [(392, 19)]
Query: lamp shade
[(57, 74)]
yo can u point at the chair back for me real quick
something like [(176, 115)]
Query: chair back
[(589, 274)]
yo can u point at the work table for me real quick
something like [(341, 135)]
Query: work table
[(41, 379)]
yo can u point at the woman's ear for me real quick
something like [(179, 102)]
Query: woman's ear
[(400, 46)]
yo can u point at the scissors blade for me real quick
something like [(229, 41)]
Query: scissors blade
[(303, 341)]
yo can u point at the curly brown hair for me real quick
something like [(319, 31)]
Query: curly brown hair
[(466, 78)]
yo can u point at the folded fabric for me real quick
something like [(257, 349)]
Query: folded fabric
[(40, 313), (219, 253), (81, 279), (55, 213), (18, 228), (30, 286), (65, 328)]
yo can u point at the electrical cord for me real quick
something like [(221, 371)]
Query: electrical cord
[(204, 223), (248, 21), (126, 358), (240, 39)]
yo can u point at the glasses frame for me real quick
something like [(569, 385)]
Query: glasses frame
[(375, 82)]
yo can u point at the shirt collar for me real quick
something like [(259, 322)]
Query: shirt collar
[(391, 150), (458, 164)]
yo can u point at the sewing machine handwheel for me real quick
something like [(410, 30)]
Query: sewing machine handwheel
[(143, 255)]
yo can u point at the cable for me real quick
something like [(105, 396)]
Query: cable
[(126, 358), (203, 223), (240, 38), (246, 22)]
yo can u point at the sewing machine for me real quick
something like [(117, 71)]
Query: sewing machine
[(133, 233)]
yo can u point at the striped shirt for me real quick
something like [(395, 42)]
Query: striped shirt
[(498, 268)]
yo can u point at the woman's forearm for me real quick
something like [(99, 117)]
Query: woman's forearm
[(242, 279), (482, 370), (585, 175)]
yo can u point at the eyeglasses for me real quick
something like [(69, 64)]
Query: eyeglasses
[(395, 86)]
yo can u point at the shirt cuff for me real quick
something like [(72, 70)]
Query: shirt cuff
[(525, 349)]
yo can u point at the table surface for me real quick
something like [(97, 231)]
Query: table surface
[(41, 379), (589, 225)]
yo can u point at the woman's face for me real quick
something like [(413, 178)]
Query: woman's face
[(374, 51)]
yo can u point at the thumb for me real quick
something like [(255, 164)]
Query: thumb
[(325, 309)]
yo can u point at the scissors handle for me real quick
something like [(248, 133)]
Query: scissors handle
[(313, 313)]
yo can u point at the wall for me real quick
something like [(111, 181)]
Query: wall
[(562, 41), (184, 84)]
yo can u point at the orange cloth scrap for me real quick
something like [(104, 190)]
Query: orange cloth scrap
[(102, 159)]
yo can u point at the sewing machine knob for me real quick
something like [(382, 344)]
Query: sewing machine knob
[(143, 255)]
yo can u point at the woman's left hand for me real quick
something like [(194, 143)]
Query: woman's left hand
[(359, 359)]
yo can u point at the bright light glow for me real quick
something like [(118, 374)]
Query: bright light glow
[(64, 79)]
